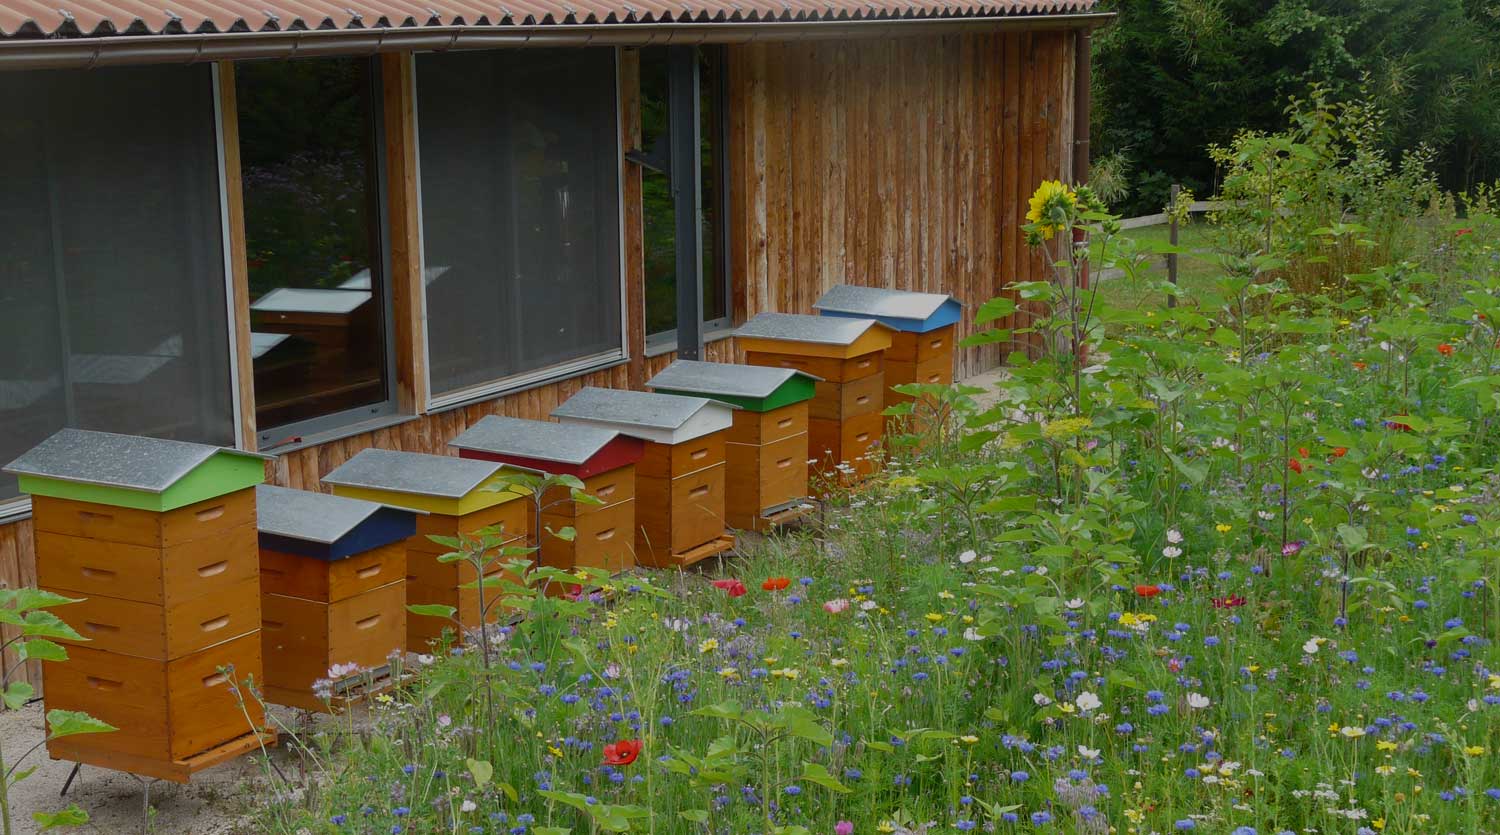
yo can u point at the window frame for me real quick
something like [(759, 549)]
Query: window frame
[(548, 374), (18, 509), (662, 342), (290, 436)]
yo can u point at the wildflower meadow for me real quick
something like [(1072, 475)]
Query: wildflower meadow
[(1226, 566)]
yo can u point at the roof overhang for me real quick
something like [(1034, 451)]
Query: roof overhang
[(187, 48)]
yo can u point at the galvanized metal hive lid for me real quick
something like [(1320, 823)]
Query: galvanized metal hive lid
[(637, 408), (131, 462), (725, 379), (311, 517), (539, 439), (413, 472), (877, 301), (800, 327), (299, 300)]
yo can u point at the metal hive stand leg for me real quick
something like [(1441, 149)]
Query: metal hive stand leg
[(68, 783), (146, 783)]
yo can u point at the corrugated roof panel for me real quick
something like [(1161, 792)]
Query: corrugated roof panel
[(84, 18)]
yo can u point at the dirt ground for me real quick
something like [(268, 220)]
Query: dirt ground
[(217, 802)]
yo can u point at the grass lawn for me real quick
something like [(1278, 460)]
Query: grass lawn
[(1193, 271)]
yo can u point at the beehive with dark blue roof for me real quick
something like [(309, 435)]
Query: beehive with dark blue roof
[(333, 592), (924, 326)]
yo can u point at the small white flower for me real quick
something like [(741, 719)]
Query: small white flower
[(444, 720), (1171, 552), (467, 806), (1041, 571), (1174, 536), (1087, 701), (1198, 701), (972, 634), (1075, 603), (868, 605), (1265, 515), (1041, 699), (1311, 647), (1088, 753), (967, 557)]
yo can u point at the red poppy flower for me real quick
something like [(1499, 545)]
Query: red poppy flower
[(1229, 602), (1462, 232), (1397, 427), (734, 587), (1359, 366), (776, 583), (1294, 464), (1445, 349), (1148, 591), (1301, 452), (623, 752), (1340, 451)]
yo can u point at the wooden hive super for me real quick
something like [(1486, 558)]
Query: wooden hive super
[(455, 496), (922, 325), (766, 449), (680, 475), (603, 459), (158, 539), (845, 425), (333, 593)]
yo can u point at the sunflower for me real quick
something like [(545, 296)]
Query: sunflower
[(1051, 200)]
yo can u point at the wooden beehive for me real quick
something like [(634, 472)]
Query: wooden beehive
[(922, 338), (158, 538), (455, 496), (845, 425), (333, 592), (766, 449), (679, 480), (603, 459)]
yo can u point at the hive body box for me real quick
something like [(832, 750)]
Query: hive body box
[(158, 538), (679, 481), (603, 459), (454, 497), (766, 449), (844, 422), (333, 590), (922, 325)]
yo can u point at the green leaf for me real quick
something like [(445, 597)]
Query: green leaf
[(551, 830), (565, 534), (40, 649), (71, 816), (61, 723), (803, 723), (1353, 537), (432, 610), (1194, 473), (17, 694), (818, 775), (996, 308), (24, 599), (722, 710), (42, 624), (481, 771), (510, 792), (694, 815)]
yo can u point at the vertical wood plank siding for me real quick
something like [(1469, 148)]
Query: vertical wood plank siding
[(900, 163), (893, 163)]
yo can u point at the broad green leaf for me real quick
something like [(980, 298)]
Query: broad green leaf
[(694, 815), (432, 610), (40, 649), (481, 771), (17, 694), (803, 723), (722, 710), (61, 723), (818, 774), (71, 816), (27, 598), (565, 534)]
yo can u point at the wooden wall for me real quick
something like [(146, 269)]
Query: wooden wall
[(901, 163), (893, 163)]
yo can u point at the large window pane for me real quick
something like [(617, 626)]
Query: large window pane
[(112, 299), (658, 223), (312, 238), (520, 211)]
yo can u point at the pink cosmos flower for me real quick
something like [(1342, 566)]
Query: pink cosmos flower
[(843, 828), (835, 606)]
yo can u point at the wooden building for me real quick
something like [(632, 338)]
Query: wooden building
[(311, 232)]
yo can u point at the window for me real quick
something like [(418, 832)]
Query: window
[(113, 310), (520, 188), (662, 249), (318, 296)]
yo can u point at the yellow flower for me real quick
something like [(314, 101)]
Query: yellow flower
[(554, 750), (1223, 527), (1050, 196), (1474, 751), (1385, 770), (1378, 823), (709, 645), (934, 617), (969, 739), (945, 595), (729, 673), (1385, 745)]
